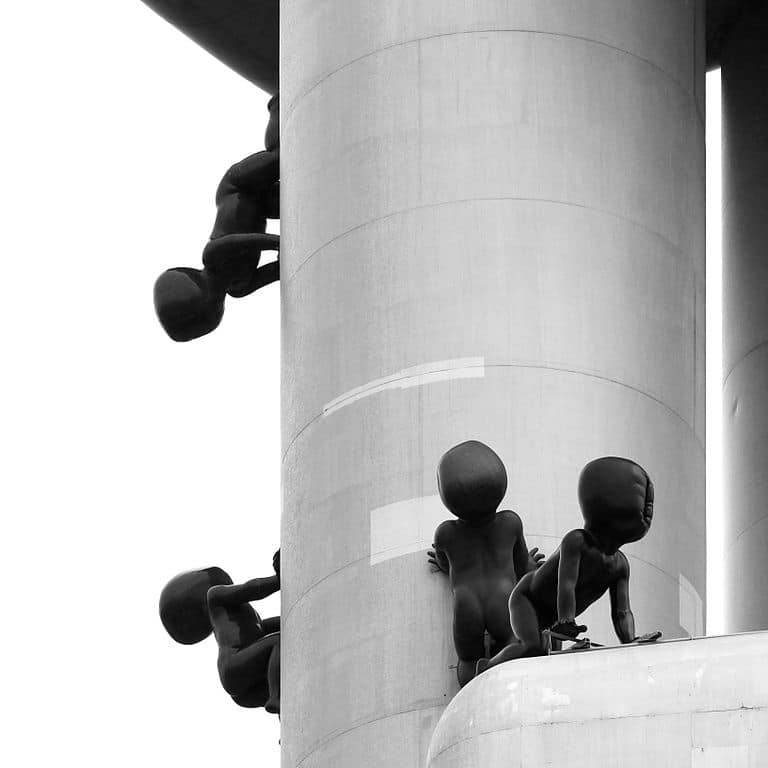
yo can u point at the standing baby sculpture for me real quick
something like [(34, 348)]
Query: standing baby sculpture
[(190, 302), (483, 552), (196, 603), (616, 498)]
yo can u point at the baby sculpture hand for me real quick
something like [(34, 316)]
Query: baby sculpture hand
[(438, 563), (535, 559), (568, 627), (276, 564)]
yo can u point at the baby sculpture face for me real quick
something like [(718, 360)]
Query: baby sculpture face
[(472, 481), (183, 604), (616, 497)]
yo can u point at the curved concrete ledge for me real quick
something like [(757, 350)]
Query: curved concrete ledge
[(671, 705)]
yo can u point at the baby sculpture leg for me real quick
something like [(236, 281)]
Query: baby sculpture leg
[(468, 633), (497, 621), (251, 672), (525, 624)]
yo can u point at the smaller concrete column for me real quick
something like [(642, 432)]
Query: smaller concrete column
[(745, 321)]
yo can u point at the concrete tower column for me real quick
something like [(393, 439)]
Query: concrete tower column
[(745, 320), (492, 228)]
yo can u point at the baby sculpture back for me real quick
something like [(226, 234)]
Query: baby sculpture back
[(483, 552)]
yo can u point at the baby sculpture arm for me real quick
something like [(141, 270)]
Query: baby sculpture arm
[(621, 612), (229, 595), (525, 560), (567, 578), (436, 556)]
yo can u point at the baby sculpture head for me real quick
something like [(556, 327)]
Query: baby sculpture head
[(183, 604), (472, 481), (616, 498), (188, 303)]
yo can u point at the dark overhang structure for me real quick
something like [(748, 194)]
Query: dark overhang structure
[(721, 16), (245, 34)]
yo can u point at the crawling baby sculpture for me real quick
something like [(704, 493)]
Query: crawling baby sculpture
[(483, 552), (196, 603), (616, 497), (190, 302)]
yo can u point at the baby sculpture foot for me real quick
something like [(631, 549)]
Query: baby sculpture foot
[(465, 671)]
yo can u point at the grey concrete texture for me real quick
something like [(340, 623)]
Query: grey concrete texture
[(657, 32), (554, 278), (541, 95), (745, 489), (745, 319), (671, 705), (493, 228)]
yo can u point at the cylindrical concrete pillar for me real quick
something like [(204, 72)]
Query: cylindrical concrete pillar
[(745, 319), (492, 228)]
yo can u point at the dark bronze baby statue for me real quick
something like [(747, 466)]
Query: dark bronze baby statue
[(616, 498), (190, 302), (196, 603), (483, 552)]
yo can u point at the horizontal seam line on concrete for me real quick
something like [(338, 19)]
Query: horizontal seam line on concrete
[(480, 734), (327, 576), (299, 434), (468, 200), (746, 530), (313, 586), (338, 734), (747, 354), (511, 30), (653, 565), (601, 378), (530, 366)]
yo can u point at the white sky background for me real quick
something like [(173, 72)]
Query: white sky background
[(128, 458)]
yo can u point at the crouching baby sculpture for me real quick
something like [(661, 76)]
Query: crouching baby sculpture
[(616, 497), (196, 603)]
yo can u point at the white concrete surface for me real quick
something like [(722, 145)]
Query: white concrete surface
[(520, 183), (687, 704), (404, 527), (745, 320)]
